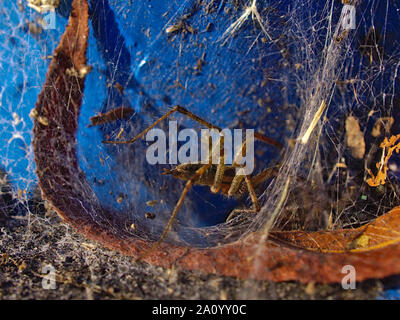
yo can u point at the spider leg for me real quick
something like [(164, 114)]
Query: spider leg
[(265, 175), (179, 109), (188, 185), (257, 180), (269, 141), (219, 174), (256, 206), (237, 180)]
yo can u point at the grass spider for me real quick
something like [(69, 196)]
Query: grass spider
[(219, 177)]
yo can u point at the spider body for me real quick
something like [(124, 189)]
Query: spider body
[(186, 171)]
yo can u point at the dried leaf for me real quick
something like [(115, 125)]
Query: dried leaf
[(112, 115), (355, 138)]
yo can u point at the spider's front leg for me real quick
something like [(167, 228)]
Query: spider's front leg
[(188, 185)]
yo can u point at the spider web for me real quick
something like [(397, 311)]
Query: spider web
[(269, 71)]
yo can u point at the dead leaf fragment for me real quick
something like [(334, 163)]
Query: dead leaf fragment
[(151, 203), (388, 147), (355, 138), (382, 126)]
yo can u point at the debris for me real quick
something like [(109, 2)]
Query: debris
[(81, 73), (120, 113), (314, 122), (355, 138), (382, 126), (150, 215), (151, 203)]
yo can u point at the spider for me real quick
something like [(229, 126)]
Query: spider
[(42, 6), (219, 177)]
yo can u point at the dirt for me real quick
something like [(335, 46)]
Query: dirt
[(85, 270)]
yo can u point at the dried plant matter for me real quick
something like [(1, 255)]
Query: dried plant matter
[(388, 147), (355, 138)]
